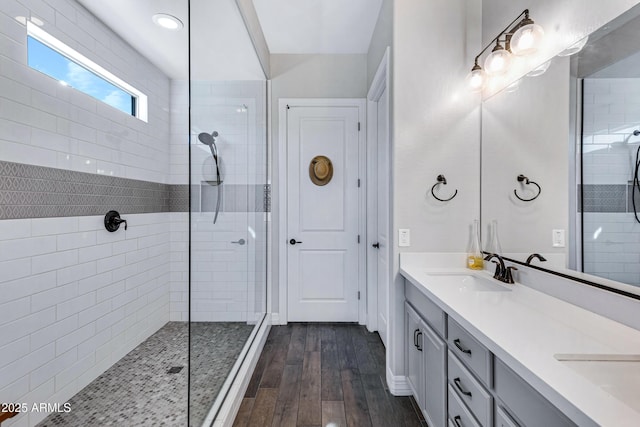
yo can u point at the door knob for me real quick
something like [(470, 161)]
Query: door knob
[(376, 245), (294, 241), (240, 242)]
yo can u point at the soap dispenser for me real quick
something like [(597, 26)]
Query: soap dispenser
[(474, 252)]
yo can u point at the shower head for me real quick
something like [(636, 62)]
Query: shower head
[(208, 139), (634, 133)]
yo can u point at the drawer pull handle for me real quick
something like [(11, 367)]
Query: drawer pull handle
[(463, 391), (462, 349), (456, 420), (419, 343), (415, 338)]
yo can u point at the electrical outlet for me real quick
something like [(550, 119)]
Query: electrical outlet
[(557, 238), (404, 237)]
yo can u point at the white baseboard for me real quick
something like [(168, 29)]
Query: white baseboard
[(398, 384), (275, 319), (231, 405)]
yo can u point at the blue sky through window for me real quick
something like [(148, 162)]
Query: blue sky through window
[(46, 60)]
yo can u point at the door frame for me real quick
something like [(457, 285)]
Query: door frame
[(380, 82), (283, 286)]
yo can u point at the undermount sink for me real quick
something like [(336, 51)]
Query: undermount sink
[(469, 282), (616, 374)]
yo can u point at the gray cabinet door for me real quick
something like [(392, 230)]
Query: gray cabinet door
[(435, 376), (414, 354)]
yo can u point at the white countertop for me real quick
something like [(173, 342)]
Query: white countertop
[(525, 329)]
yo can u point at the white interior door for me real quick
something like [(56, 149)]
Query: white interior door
[(382, 214), (322, 221)]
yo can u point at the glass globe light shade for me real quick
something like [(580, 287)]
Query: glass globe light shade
[(513, 86), (574, 48), (476, 79), (540, 70), (498, 61), (526, 39)]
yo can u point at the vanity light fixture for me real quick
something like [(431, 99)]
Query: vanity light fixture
[(167, 21), (523, 38)]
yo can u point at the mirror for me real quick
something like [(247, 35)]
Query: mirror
[(558, 158)]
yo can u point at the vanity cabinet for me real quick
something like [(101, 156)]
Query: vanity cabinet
[(458, 382), (523, 402), (426, 354)]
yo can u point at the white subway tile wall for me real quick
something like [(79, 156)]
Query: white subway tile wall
[(76, 298), (228, 280), (45, 123), (70, 311), (611, 235)]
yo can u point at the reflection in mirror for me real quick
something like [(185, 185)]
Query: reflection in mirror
[(610, 146), (574, 130), (524, 132)]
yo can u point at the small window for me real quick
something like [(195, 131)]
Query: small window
[(55, 59)]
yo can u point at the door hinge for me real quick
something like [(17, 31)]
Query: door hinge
[(358, 294), (358, 238), (358, 126), (358, 182)]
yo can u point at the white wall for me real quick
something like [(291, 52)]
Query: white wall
[(381, 38), (436, 130), (307, 76), (77, 298)]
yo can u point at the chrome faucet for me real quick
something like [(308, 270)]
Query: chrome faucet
[(502, 273), (532, 256)]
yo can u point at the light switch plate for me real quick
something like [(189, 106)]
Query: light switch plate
[(404, 237), (557, 238)]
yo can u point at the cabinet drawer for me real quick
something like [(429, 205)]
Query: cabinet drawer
[(470, 391), (503, 419), (529, 406), (470, 351), (428, 310), (459, 415)]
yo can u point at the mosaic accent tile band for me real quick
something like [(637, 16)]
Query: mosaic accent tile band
[(235, 198), (606, 198), (28, 191)]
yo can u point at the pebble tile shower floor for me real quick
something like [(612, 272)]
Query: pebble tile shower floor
[(139, 390)]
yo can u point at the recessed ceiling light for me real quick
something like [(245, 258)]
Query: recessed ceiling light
[(167, 21)]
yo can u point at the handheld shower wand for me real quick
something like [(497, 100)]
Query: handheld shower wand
[(210, 140)]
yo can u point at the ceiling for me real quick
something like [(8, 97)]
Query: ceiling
[(612, 51), (221, 48), (318, 26)]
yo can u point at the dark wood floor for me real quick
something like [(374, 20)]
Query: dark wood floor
[(323, 375)]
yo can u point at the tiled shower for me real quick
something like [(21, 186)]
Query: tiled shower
[(78, 302), (611, 234)]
